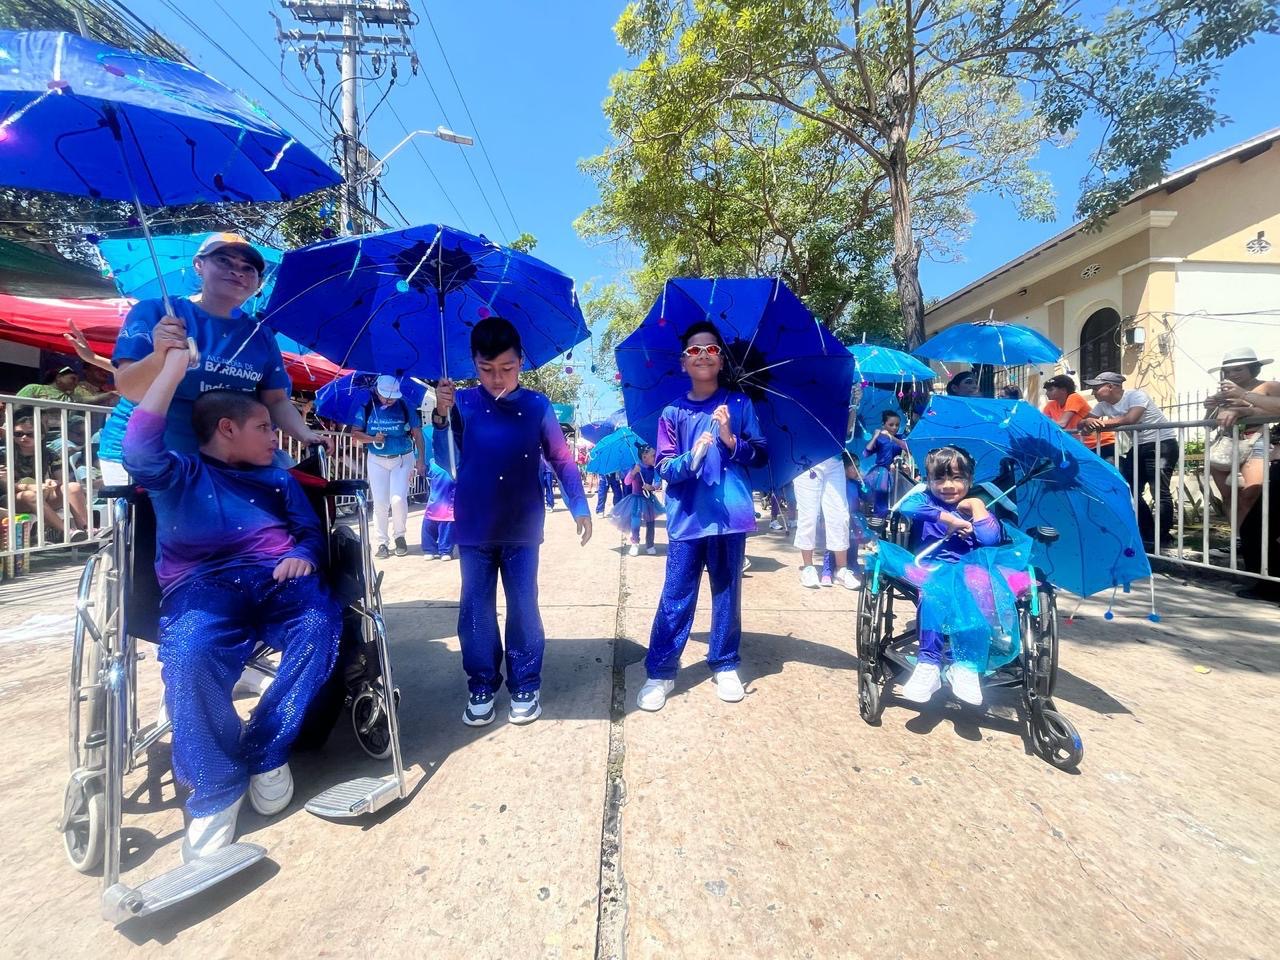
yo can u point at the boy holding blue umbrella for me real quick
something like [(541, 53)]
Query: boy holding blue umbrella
[(501, 429)]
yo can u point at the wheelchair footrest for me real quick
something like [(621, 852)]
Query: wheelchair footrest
[(355, 798), (121, 902)]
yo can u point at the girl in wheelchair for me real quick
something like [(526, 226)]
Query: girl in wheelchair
[(968, 572)]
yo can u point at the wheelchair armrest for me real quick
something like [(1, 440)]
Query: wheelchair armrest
[(1044, 535), (126, 492), (346, 488)]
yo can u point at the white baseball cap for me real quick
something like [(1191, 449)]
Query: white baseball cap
[(388, 387)]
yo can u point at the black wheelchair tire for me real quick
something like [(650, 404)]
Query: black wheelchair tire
[(370, 724), (868, 698), (84, 837), (1057, 740)]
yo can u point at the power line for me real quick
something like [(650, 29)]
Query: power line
[(423, 157), (475, 127)]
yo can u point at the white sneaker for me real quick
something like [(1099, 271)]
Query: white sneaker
[(847, 579), (651, 551), (653, 695), (253, 682), (926, 680), (634, 551), (270, 792), (965, 684), (809, 577), (775, 524), (206, 835), (729, 687), (446, 557)]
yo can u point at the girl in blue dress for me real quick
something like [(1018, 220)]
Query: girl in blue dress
[(640, 505), (707, 440), (886, 446)]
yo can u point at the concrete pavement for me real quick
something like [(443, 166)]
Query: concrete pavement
[(782, 826)]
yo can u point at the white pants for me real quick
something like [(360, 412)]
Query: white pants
[(389, 485), (822, 489)]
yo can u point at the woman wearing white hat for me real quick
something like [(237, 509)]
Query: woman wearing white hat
[(392, 430), (1240, 384)]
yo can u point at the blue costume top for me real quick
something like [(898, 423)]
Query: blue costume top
[(394, 422), (211, 516), (440, 499), (498, 499), (716, 499), (926, 510), (111, 436), (236, 353), (884, 450)]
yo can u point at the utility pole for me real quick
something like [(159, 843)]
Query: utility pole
[(377, 28)]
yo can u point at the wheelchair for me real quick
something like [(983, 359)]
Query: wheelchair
[(117, 605), (885, 653)]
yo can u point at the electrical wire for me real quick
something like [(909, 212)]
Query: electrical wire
[(423, 157)]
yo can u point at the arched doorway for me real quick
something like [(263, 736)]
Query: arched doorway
[(1100, 343)]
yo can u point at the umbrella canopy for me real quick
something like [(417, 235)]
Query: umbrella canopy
[(42, 323), (81, 117), (404, 301), (596, 431), (886, 365), (134, 271), (991, 342), (616, 453), (1059, 483), (345, 398), (796, 373)]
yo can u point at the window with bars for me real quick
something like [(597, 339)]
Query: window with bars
[(1100, 343)]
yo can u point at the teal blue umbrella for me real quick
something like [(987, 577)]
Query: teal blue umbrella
[(616, 453), (134, 272)]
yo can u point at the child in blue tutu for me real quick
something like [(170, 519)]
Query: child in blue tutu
[(886, 446), (437, 519), (969, 570), (640, 505)]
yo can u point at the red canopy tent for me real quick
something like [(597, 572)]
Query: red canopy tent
[(42, 322)]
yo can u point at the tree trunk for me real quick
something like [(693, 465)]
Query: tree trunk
[(906, 252)]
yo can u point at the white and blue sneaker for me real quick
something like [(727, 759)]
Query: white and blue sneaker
[(479, 712), (525, 707)]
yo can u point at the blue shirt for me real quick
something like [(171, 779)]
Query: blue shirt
[(717, 498), (440, 499), (394, 422), (236, 353), (111, 436), (211, 516), (498, 499), (884, 450)]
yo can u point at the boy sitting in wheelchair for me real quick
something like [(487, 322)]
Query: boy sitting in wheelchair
[(238, 550), (968, 571)]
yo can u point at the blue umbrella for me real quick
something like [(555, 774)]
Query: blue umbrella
[(134, 271), (596, 431), (81, 117), (616, 453), (886, 365), (796, 373), (1059, 483), (344, 399), (404, 301), (990, 341)]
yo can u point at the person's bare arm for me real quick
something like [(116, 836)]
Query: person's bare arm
[(286, 416)]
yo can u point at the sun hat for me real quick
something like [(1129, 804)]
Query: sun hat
[(1109, 376), (1240, 357), (232, 241), (388, 387)]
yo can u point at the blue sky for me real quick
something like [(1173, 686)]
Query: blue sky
[(534, 76)]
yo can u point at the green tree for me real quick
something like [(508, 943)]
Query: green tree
[(551, 379), (945, 98)]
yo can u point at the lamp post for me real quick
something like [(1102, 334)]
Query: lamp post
[(440, 133)]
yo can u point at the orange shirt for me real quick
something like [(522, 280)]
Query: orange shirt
[(1078, 408)]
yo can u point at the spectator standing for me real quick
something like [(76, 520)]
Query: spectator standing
[(963, 384), (1150, 461), (1068, 409), (392, 430), (1241, 382)]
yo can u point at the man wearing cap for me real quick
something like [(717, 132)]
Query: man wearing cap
[(1154, 451), (65, 385), (392, 430), (233, 350), (1241, 385)]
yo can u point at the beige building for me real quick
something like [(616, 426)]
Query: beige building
[(1184, 271)]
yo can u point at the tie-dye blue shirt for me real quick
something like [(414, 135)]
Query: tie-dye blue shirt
[(440, 499), (717, 498), (498, 500), (211, 516)]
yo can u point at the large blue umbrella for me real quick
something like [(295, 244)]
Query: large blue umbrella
[(1057, 482), (616, 453), (992, 342), (345, 398), (886, 365), (134, 271), (404, 301), (81, 117), (596, 430), (796, 373)]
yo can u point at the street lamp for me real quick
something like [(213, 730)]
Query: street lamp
[(440, 133)]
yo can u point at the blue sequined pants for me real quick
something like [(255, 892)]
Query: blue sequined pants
[(721, 556), (208, 631), (482, 653)]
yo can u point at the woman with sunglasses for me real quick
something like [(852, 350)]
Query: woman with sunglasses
[(707, 440), (234, 351)]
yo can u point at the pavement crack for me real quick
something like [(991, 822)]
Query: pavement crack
[(611, 918)]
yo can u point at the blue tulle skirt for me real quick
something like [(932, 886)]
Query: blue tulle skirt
[(635, 509)]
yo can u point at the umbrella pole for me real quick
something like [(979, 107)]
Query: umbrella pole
[(444, 364)]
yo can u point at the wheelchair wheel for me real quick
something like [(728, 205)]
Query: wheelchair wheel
[(369, 721), (85, 828), (1040, 647), (870, 667), (868, 698), (1057, 740)]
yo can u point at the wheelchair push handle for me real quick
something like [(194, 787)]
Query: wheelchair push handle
[(321, 453)]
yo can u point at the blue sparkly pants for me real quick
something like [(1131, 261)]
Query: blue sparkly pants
[(437, 537), (721, 556), (208, 631), (608, 482), (482, 652)]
